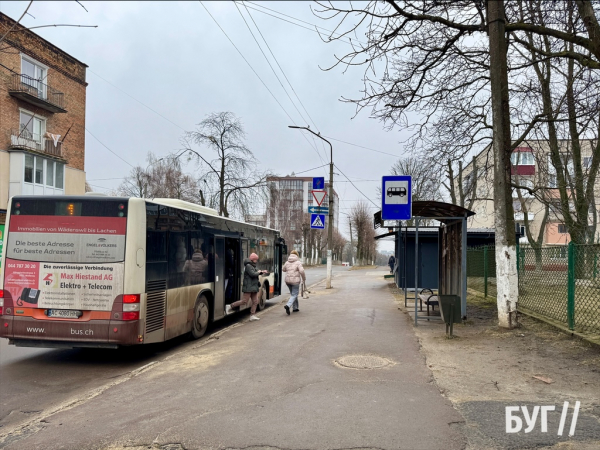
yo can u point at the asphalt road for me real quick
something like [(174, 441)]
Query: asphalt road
[(294, 382), (32, 380)]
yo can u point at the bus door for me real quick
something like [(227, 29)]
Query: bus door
[(244, 254), (219, 270), (279, 252), (233, 290)]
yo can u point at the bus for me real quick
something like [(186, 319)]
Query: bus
[(99, 271)]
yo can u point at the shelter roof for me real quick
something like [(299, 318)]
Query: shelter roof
[(430, 209)]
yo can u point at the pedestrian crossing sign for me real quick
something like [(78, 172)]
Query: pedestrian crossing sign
[(317, 221)]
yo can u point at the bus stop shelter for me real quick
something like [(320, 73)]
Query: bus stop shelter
[(451, 247)]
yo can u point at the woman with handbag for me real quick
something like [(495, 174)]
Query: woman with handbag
[(294, 275)]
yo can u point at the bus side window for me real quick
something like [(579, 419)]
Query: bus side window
[(156, 246), (178, 255)]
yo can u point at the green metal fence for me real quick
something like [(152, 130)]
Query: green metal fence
[(561, 283), (481, 270)]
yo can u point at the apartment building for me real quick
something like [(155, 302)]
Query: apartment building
[(42, 117), (290, 197), (531, 168), (287, 208)]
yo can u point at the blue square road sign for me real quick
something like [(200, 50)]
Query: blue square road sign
[(396, 197), (318, 183), (317, 221)]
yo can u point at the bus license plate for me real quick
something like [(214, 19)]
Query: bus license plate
[(64, 313)]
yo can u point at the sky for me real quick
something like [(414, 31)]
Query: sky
[(157, 69)]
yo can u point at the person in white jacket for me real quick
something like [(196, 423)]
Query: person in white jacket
[(294, 275)]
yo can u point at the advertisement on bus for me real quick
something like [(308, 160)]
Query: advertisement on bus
[(65, 262)]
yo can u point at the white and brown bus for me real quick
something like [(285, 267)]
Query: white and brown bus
[(95, 271)]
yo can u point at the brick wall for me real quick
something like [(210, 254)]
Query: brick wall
[(65, 74)]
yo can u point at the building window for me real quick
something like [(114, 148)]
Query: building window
[(49, 173), (39, 170), (522, 159), (468, 182), (59, 176), (32, 127), (42, 171), (587, 162), (34, 75), (562, 229), (28, 169)]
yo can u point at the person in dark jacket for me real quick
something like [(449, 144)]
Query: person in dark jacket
[(250, 285), (391, 263)]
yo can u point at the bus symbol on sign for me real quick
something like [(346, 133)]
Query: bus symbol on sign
[(400, 191)]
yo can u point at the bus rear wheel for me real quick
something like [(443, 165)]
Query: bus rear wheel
[(264, 295), (201, 316)]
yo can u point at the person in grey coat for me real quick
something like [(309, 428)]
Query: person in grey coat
[(250, 285)]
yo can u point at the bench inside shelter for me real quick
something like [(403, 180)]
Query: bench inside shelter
[(429, 298)]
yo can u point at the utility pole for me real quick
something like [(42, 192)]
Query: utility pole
[(506, 256), (351, 243), (330, 227)]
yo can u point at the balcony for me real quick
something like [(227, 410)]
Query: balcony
[(37, 93), (25, 140)]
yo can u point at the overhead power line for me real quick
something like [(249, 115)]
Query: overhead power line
[(106, 147), (135, 99), (361, 146), (315, 28), (269, 62), (285, 76), (361, 192), (252, 68)]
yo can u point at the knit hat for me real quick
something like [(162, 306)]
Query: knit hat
[(253, 257), (294, 252)]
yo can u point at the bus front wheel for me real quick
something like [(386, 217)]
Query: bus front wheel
[(201, 316)]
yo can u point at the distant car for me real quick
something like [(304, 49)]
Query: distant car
[(401, 191)]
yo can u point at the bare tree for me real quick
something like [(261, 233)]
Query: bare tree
[(432, 60), (362, 222), (230, 175), (162, 178), (426, 181), (284, 212)]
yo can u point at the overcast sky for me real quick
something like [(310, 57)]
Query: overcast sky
[(173, 58)]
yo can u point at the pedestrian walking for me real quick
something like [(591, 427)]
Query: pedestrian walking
[(391, 263), (250, 285), (294, 275)]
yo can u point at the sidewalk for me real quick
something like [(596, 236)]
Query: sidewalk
[(280, 383), (484, 369)]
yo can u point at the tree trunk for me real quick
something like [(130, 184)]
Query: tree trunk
[(506, 267), (451, 183)]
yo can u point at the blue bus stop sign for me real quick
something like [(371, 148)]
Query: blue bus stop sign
[(396, 197), (318, 183)]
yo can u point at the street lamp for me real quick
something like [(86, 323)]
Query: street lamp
[(330, 228)]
